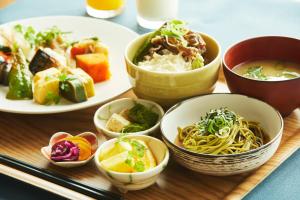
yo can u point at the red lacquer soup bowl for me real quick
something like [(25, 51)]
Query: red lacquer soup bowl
[(284, 95)]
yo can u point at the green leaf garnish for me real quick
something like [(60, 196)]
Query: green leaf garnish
[(174, 28), (255, 73), (139, 166), (138, 148), (136, 155), (18, 28), (130, 160), (198, 62), (216, 120), (28, 33), (63, 78)]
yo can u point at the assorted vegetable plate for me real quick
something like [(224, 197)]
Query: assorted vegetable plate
[(113, 36)]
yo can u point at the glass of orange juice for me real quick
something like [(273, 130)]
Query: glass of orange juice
[(104, 8)]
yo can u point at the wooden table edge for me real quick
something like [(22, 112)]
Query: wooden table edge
[(282, 154)]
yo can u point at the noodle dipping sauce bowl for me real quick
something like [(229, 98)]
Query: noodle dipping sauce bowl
[(284, 95), (168, 88), (189, 112)]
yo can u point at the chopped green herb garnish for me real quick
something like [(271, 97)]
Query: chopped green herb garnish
[(136, 155), (138, 148), (198, 62), (95, 38), (139, 166), (174, 28), (256, 73), (42, 38), (63, 78), (18, 28), (45, 38), (129, 161), (216, 120), (28, 33)]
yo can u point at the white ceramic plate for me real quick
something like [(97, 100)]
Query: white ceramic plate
[(115, 36)]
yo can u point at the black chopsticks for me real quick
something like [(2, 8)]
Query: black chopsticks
[(59, 179)]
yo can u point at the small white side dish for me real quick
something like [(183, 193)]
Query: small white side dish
[(46, 151), (104, 113), (190, 111), (136, 180)]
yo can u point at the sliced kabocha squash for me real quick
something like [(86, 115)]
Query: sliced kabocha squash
[(85, 78), (41, 61), (95, 64), (72, 88), (46, 86)]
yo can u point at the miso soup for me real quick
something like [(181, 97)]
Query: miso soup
[(268, 70)]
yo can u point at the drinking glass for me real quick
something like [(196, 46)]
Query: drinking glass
[(152, 14), (104, 8)]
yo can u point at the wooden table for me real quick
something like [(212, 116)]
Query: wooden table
[(22, 136)]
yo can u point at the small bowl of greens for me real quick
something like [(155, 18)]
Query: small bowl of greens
[(128, 116)]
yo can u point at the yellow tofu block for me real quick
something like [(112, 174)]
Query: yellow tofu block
[(44, 83), (85, 78)]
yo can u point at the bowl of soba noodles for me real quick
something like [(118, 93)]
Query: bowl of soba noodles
[(222, 134)]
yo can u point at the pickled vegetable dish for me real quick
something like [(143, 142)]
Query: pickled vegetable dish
[(127, 156)]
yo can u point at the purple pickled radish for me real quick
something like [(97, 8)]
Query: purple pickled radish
[(64, 151)]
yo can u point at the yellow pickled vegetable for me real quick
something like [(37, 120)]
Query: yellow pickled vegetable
[(127, 155)]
